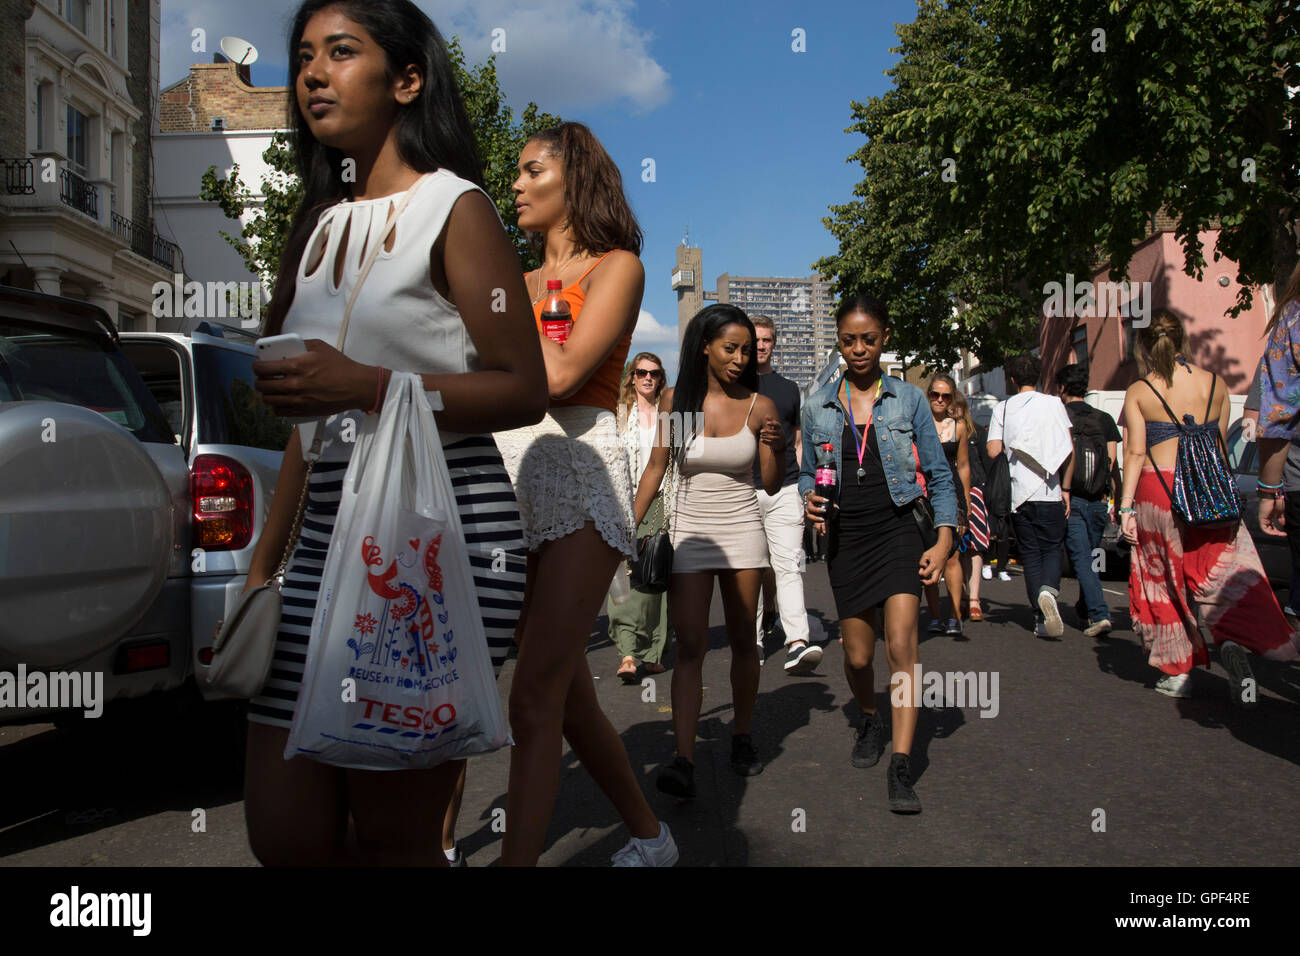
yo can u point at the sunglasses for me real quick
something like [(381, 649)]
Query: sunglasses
[(643, 372), (940, 396)]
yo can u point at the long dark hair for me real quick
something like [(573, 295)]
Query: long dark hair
[(693, 372), (600, 218), (433, 131)]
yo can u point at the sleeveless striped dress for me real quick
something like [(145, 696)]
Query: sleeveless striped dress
[(493, 535), (399, 321)]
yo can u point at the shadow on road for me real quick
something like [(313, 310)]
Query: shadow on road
[(139, 758)]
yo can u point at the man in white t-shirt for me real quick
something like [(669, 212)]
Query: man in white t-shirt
[(1035, 429)]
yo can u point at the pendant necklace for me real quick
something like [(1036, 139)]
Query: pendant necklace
[(861, 444)]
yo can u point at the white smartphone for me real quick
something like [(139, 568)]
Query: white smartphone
[(277, 347)]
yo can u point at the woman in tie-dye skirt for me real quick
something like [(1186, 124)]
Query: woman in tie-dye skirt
[(1178, 569)]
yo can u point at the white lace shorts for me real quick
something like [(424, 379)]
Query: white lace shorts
[(568, 469)]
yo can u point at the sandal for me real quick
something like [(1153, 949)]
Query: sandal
[(627, 670), (976, 613)]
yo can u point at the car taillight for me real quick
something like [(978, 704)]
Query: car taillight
[(222, 491)]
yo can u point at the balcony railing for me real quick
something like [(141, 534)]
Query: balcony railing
[(20, 176), (78, 193), (144, 241)]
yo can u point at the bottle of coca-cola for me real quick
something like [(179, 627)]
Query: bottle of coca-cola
[(557, 318), (827, 475)]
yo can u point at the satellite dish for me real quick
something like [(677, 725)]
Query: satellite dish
[(239, 51)]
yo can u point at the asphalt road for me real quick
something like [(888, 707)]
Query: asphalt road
[(1083, 764)]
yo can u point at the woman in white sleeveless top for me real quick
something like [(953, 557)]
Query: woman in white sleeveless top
[(718, 423), (426, 306), (639, 625)]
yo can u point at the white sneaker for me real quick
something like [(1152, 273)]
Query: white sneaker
[(987, 573), (802, 660), (1003, 576), (1051, 613), (762, 654), (658, 852), (1171, 685)]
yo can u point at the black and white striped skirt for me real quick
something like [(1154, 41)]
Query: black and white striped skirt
[(493, 534)]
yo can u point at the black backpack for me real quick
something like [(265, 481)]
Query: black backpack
[(997, 486), (1091, 460)]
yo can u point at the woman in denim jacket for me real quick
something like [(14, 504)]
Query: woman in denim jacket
[(875, 556)]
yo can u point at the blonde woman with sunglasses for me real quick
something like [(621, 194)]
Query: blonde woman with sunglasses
[(953, 436), (639, 626)]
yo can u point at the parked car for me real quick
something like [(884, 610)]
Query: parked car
[(136, 472), (1274, 552), (233, 444), (94, 507)]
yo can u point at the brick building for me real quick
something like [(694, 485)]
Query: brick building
[(79, 78), (214, 117), (1105, 342)]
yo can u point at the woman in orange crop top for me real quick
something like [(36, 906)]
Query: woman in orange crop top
[(570, 474)]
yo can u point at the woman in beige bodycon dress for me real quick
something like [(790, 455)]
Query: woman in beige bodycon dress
[(718, 423)]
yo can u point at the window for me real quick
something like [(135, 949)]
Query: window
[(1079, 342), (42, 93), (76, 12), (77, 150), (40, 364), (1130, 341), (229, 408), (116, 171)]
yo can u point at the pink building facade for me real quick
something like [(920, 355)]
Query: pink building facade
[(1105, 338)]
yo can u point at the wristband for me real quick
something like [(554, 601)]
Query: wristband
[(379, 392), (1272, 494)]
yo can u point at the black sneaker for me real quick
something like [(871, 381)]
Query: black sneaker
[(677, 779), (902, 798), (1242, 689), (744, 759), (870, 743)]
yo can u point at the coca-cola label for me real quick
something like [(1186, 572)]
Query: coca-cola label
[(557, 329), (825, 476)]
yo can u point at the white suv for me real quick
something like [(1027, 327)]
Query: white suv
[(233, 444)]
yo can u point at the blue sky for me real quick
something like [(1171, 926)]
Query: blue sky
[(746, 134)]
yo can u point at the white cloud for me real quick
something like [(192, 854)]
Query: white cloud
[(564, 55), (650, 332), (650, 336)]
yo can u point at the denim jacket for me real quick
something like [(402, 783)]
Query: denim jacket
[(902, 416)]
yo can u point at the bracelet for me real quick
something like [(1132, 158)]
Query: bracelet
[(379, 392), (1124, 511), (1271, 493), (1260, 485)]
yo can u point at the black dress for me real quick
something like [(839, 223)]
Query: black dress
[(874, 547), (950, 452)]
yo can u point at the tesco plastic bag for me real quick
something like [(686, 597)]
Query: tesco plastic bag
[(398, 672)]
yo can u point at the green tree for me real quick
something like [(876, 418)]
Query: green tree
[(1063, 126), (500, 139)]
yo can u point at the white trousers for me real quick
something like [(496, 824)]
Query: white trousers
[(783, 515)]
